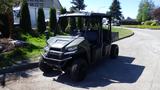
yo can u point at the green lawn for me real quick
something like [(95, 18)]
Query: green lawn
[(142, 26), (29, 52), (122, 32)]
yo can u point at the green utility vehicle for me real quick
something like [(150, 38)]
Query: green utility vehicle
[(84, 46)]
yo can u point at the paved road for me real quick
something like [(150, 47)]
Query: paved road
[(137, 68)]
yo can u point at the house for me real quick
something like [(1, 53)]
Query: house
[(33, 8), (44, 3)]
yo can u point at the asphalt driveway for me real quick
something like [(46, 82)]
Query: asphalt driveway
[(137, 68)]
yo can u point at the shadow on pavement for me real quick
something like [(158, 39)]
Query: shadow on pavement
[(52, 74), (120, 70)]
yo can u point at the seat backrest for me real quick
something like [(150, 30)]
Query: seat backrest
[(92, 36)]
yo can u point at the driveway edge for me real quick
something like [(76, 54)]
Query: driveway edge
[(19, 68), (125, 37)]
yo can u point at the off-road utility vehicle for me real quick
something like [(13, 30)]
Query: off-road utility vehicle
[(84, 46)]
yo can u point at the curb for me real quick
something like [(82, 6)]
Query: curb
[(124, 37), (19, 68)]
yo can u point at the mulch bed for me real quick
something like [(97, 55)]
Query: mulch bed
[(6, 45)]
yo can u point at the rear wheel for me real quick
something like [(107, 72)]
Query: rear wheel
[(114, 51), (78, 70), (44, 67)]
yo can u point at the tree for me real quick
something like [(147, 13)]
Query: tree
[(4, 29), (145, 10), (115, 10), (156, 14), (78, 4), (7, 11), (25, 20), (53, 20), (63, 21), (41, 25)]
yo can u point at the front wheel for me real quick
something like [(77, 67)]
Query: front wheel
[(44, 67), (78, 70), (114, 51)]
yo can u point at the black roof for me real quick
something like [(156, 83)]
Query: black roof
[(84, 14)]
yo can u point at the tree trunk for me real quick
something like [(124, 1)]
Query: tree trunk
[(10, 23)]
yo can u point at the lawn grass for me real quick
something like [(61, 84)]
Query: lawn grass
[(122, 32), (36, 44), (142, 26), (29, 52)]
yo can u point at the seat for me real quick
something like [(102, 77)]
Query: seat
[(92, 36)]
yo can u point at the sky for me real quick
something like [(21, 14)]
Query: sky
[(129, 7)]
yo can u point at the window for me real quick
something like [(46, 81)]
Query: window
[(41, 0), (41, 4), (31, 4)]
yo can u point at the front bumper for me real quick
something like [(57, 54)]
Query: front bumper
[(57, 62)]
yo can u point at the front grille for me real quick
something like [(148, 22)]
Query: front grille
[(55, 49), (50, 55)]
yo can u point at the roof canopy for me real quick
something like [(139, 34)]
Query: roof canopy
[(85, 14)]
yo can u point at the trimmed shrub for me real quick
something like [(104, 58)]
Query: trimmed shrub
[(154, 23), (41, 26), (53, 21), (63, 21), (25, 20), (148, 22)]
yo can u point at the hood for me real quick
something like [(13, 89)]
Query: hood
[(64, 41)]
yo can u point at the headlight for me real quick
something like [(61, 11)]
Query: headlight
[(46, 49), (72, 48)]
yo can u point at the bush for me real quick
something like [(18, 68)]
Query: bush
[(129, 22), (151, 23), (41, 26), (148, 22), (154, 23)]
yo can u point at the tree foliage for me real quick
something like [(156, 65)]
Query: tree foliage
[(156, 14), (25, 20), (7, 11), (41, 25), (53, 20), (4, 29), (5, 6), (78, 4), (115, 10), (145, 10)]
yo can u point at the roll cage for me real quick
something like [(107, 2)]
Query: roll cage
[(92, 27)]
